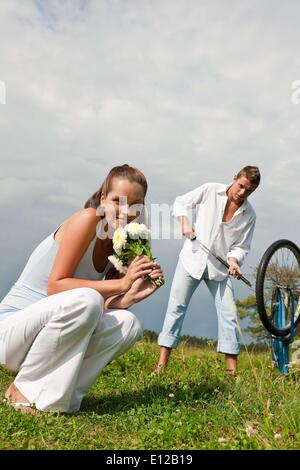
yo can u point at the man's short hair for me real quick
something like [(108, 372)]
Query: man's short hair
[(252, 174)]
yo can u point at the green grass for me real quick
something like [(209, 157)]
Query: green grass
[(193, 405)]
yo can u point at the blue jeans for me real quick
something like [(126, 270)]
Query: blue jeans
[(183, 287)]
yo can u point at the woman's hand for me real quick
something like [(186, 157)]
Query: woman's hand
[(157, 275), (140, 267), (142, 288)]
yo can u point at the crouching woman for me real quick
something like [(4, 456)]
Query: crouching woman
[(65, 318)]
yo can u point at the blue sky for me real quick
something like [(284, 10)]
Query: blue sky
[(189, 91)]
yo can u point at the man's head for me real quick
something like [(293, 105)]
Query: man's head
[(251, 173), (244, 183)]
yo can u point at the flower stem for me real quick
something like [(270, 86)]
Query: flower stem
[(156, 282)]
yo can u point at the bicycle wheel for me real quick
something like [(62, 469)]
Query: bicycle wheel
[(278, 286)]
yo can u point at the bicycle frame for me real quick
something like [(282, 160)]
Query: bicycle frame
[(280, 345)]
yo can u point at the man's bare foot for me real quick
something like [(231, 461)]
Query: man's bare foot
[(164, 357), (13, 396), (230, 372), (159, 369), (274, 366)]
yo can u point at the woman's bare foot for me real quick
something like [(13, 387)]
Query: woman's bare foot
[(13, 395)]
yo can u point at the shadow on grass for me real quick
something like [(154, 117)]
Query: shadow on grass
[(204, 393)]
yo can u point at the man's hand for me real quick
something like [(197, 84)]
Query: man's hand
[(234, 268), (186, 228), (190, 235)]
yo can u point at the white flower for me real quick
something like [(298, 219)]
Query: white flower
[(119, 240), (133, 229), (222, 440), (277, 436), (250, 431), (117, 264), (136, 230), (145, 232)]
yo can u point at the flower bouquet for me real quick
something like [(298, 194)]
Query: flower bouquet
[(131, 241)]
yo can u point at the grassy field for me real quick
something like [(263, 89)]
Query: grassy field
[(193, 405)]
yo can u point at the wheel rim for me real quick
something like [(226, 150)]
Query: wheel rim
[(281, 287)]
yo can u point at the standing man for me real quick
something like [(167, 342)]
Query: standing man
[(224, 223)]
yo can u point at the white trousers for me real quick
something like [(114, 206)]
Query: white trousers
[(61, 343)]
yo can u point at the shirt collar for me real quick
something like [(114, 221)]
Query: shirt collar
[(223, 192)]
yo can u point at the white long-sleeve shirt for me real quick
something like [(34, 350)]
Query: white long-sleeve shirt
[(225, 239)]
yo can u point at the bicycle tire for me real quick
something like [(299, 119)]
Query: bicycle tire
[(260, 279)]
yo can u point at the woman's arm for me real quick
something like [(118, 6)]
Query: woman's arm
[(78, 234)]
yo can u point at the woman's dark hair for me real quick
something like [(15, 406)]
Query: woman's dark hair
[(123, 172)]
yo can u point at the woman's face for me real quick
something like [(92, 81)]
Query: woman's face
[(123, 203)]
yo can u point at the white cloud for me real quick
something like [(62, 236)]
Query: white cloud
[(188, 91)]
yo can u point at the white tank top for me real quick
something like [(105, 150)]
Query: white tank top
[(32, 283)]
